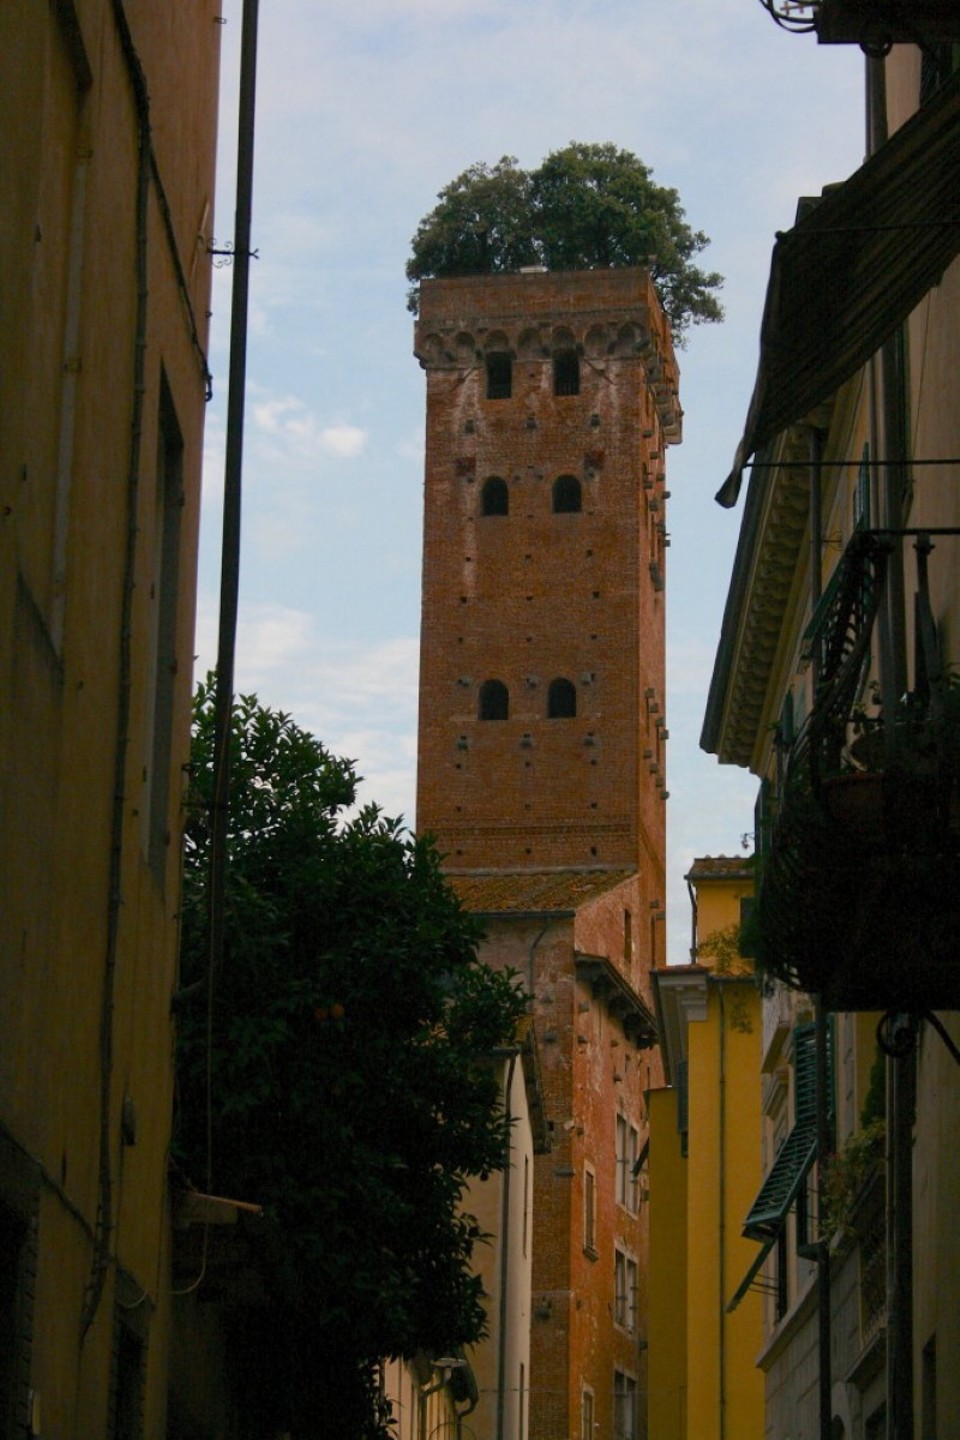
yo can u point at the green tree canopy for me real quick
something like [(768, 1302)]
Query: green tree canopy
[(587, 207), (349, 1044)]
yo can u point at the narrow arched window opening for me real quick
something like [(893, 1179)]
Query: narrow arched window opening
[(494, 701), (567, 495), (561, 700), (494, 497)]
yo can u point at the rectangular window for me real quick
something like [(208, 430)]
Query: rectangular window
[(861, 493), (566, 373), (12, 1234), (624, 1406), (499, 376), (522, 1404), (620, 1287), (625, 1290), (526, 1201), (586, 1415), (627, 1150), (129, 1361), (164, 594), (928, 1391), (589, 1212), (781, 1298)]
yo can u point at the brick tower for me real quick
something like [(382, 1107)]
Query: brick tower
[(541, 769)]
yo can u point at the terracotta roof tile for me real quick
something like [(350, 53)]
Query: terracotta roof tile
[(721, 867), (531, 891)]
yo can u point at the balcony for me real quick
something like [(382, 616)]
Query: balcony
[(859, 894)]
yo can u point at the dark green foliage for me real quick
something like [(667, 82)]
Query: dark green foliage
[(587, 207), (351, 1032), (482, 225)]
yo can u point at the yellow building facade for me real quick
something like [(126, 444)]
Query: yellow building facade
[(108, 114), (704, 1166)]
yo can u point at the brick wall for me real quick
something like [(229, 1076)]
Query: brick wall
[(532, 595)]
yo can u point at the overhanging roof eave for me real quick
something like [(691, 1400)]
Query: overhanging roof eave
[(851, 270)]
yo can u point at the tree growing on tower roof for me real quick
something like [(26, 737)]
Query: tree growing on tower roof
[(587, 207), (350, 1091)]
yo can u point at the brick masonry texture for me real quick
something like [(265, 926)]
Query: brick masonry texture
[(553, 829), (533, 595)]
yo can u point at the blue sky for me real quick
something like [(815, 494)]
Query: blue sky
[(364, 111)]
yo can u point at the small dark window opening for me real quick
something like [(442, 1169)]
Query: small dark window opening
[(781, 1283), (128, 1386), (12, 1235), (494, 701), (561, 700), (566, 373), (499, 376), (567, 495), (495, 497)]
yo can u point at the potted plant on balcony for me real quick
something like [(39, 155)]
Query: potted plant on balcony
[(846, 1176), (859, 897)]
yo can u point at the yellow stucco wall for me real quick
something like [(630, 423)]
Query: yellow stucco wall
[(704, 1381), (667, 1355), (725, 1389), (88, 912)]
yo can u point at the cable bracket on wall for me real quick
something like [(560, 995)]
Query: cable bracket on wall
[(227, 253)]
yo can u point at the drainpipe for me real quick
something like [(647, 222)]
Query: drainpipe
[(693, 922), (103, 1232), (512, 1051), (722, 1141), (445, 1368)]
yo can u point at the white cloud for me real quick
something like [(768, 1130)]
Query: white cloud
[(288, 422), (344, 441), (358, 697)]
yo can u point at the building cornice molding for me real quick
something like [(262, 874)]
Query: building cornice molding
[(680, 993)]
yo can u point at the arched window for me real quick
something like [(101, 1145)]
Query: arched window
[(561, 700), (567, 497), (494, 497), (494, 701)]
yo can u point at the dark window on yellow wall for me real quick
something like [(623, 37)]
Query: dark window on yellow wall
[(494, 497), (163, 628), (561, 700), (494, 701), (567, 495), (566, 373), (128, 1385), (12, 1237), (928, 1391), (499, 376)]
